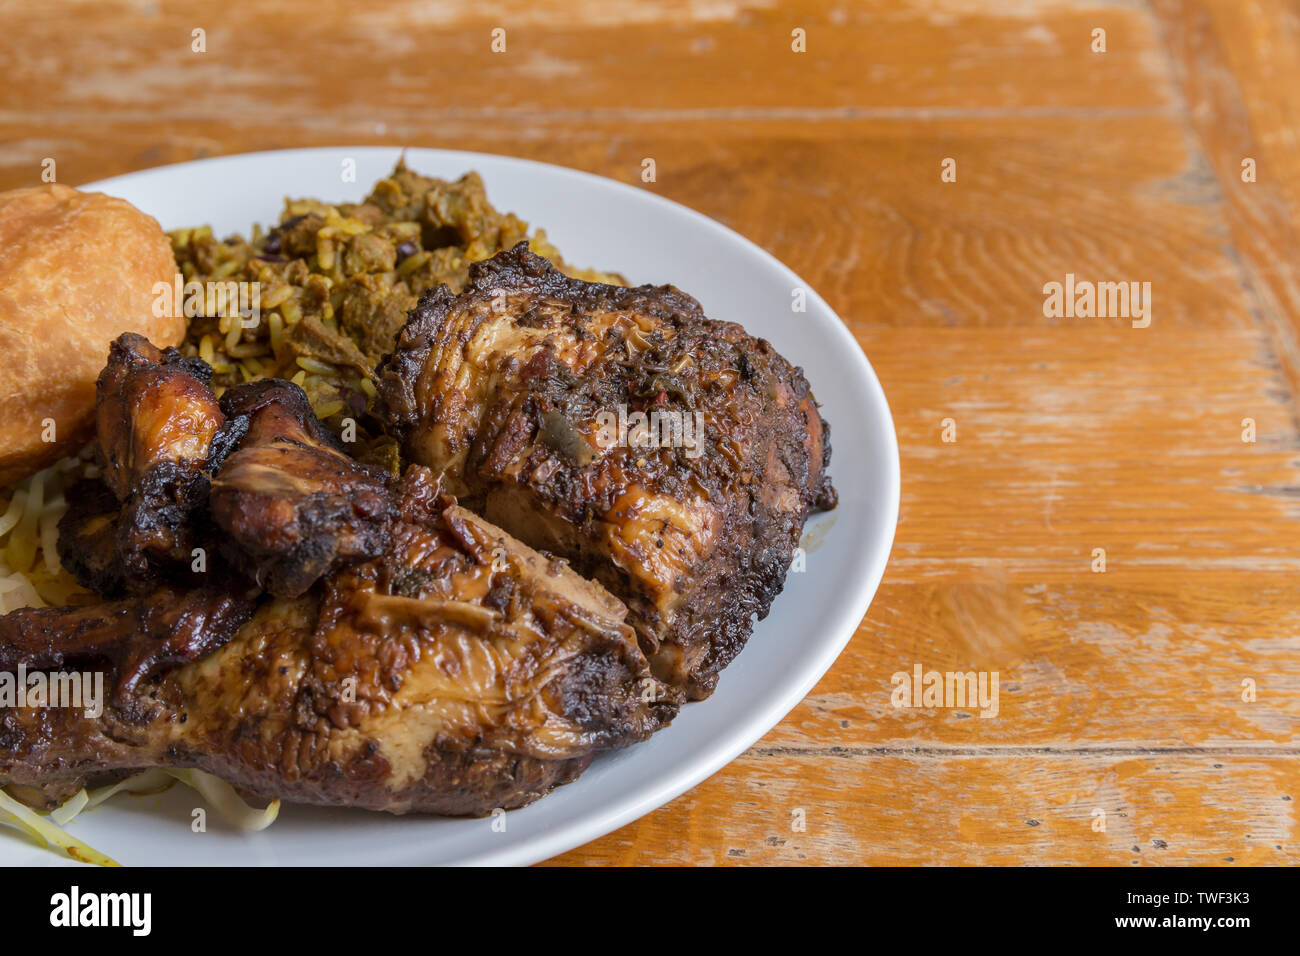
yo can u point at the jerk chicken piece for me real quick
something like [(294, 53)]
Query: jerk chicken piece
[(154, 411), (88, 538), (456, 672), (521, 388), (136, 638), (292, 503), (160, 433), (287, 502)]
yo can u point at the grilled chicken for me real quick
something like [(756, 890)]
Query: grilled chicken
[(255, 476), (160, 432), (136, 638), (523, 387), (291, 503), (154, 411), (456, 672), (88, 538)]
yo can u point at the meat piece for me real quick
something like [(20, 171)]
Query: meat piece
[(88, 536), (160, 431), (137, 637), (289, 503), (526, 389), (153, 409), (455, 673), (292, 504)]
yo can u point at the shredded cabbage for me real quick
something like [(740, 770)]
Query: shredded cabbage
[(74, 805), (50, 835), (226, 801), (48, 829), (151, 781)]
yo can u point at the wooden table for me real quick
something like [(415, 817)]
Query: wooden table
[(1122, 691)]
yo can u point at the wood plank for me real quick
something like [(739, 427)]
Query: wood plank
[(1059, 433), (393, 59), (1035, 200), (1069, 440), (933, 809), (1236, 68), (1156, 662)]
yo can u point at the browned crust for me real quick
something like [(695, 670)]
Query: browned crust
[(763, 468), (76, 270)]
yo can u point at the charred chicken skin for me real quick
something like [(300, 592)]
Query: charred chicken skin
[(160, 432), (521, 389), (292, 503), (154, 410), (456, 672), (136, 638), (255, 476)]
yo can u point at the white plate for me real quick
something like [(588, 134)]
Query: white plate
[(599, 223)]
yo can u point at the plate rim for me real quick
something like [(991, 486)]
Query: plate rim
[(537, 847)]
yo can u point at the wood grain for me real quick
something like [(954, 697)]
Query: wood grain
[(1238, 65), (1120, 690), (902, 248), (938, 808)]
